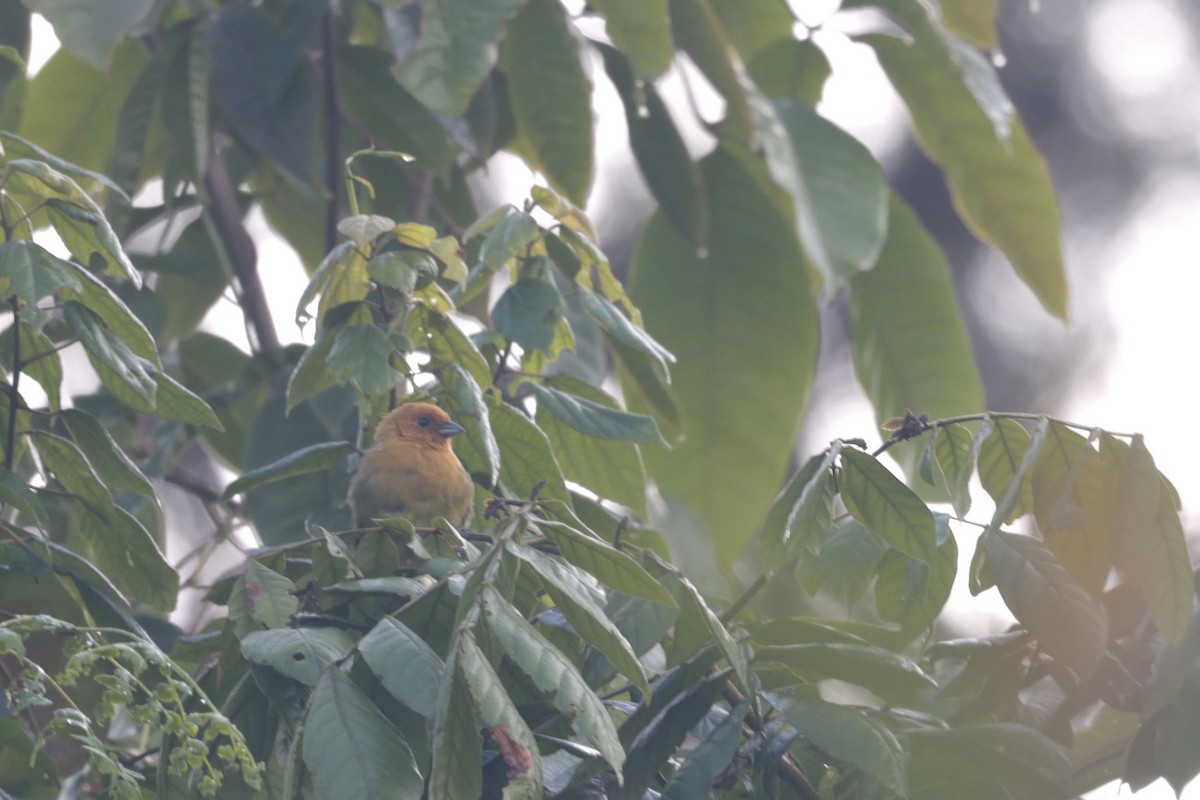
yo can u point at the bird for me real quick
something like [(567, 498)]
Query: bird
[(411, 471)]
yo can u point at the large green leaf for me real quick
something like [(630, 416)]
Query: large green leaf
[(849, 733), (912, 593), (126, 552), (642, 30), (552, 672), (973, 20), (261, 598), (88, 30), (908, 340), (72, 107), (569, 593), (886, 507), (697, 32), (456, 743), (999, 459), (31, 272), (351, 749), (611, 566), (105, 455), (551, 95), (446, 56), (525, 454), (406, 666), (260, 78), (752, 25), (695, 776), (1040, 592), (802, 514), (741, 320), (998, 181), (611, 469), (661, 154), (885, 673), (1148, 539), (497, 710), (299, 653), (839, 193)]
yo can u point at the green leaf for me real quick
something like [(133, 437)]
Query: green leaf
[(551, 95), (908, 340), (912, 593), (405, 665), (16, 146), (1000, 457), (259, 77), (312, 374), (891, 676), (16, 493), (447, 342), (745, 336), (341, 277), (362, 355), (611, 566), (464, 401), (1044, 598), (302, 654), (121, 371), (662, 156), (31, 272), (314, 458), (552, 672), (642, 30), (791, 68), (371, 98), (530, 310), (457, 745), (886, 507), (402, 269), (839, 193), (90, 31), (453, 49), (802, 513), (753, 25), (128, 555), (525, 454), (261, 598), (695, 776), (845, 564), (973, 20), (691, 604), (622, 331), (496, 709), (613, 470), (1149, 539), (597, 420), (956, 452), (175, 402), (654, 731), (585, 615), (999, 183), (511, 237), (105, 455), (351, 749), (848, 733), (698, 33), (109, 307), (73, 471)]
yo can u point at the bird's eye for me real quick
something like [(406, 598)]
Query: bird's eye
[(423, 422)]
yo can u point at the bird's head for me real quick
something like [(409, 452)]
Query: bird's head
[(422, 422)]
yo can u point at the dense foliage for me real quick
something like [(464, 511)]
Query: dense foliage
[(591, 634)]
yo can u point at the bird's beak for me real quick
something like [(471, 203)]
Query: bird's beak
[(450, 429)]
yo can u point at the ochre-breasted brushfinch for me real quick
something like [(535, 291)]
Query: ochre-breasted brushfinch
[(411, 471)]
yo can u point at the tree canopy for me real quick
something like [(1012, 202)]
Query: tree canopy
[(658, 596)]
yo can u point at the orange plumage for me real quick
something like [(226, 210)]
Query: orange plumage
[(411, 471)]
